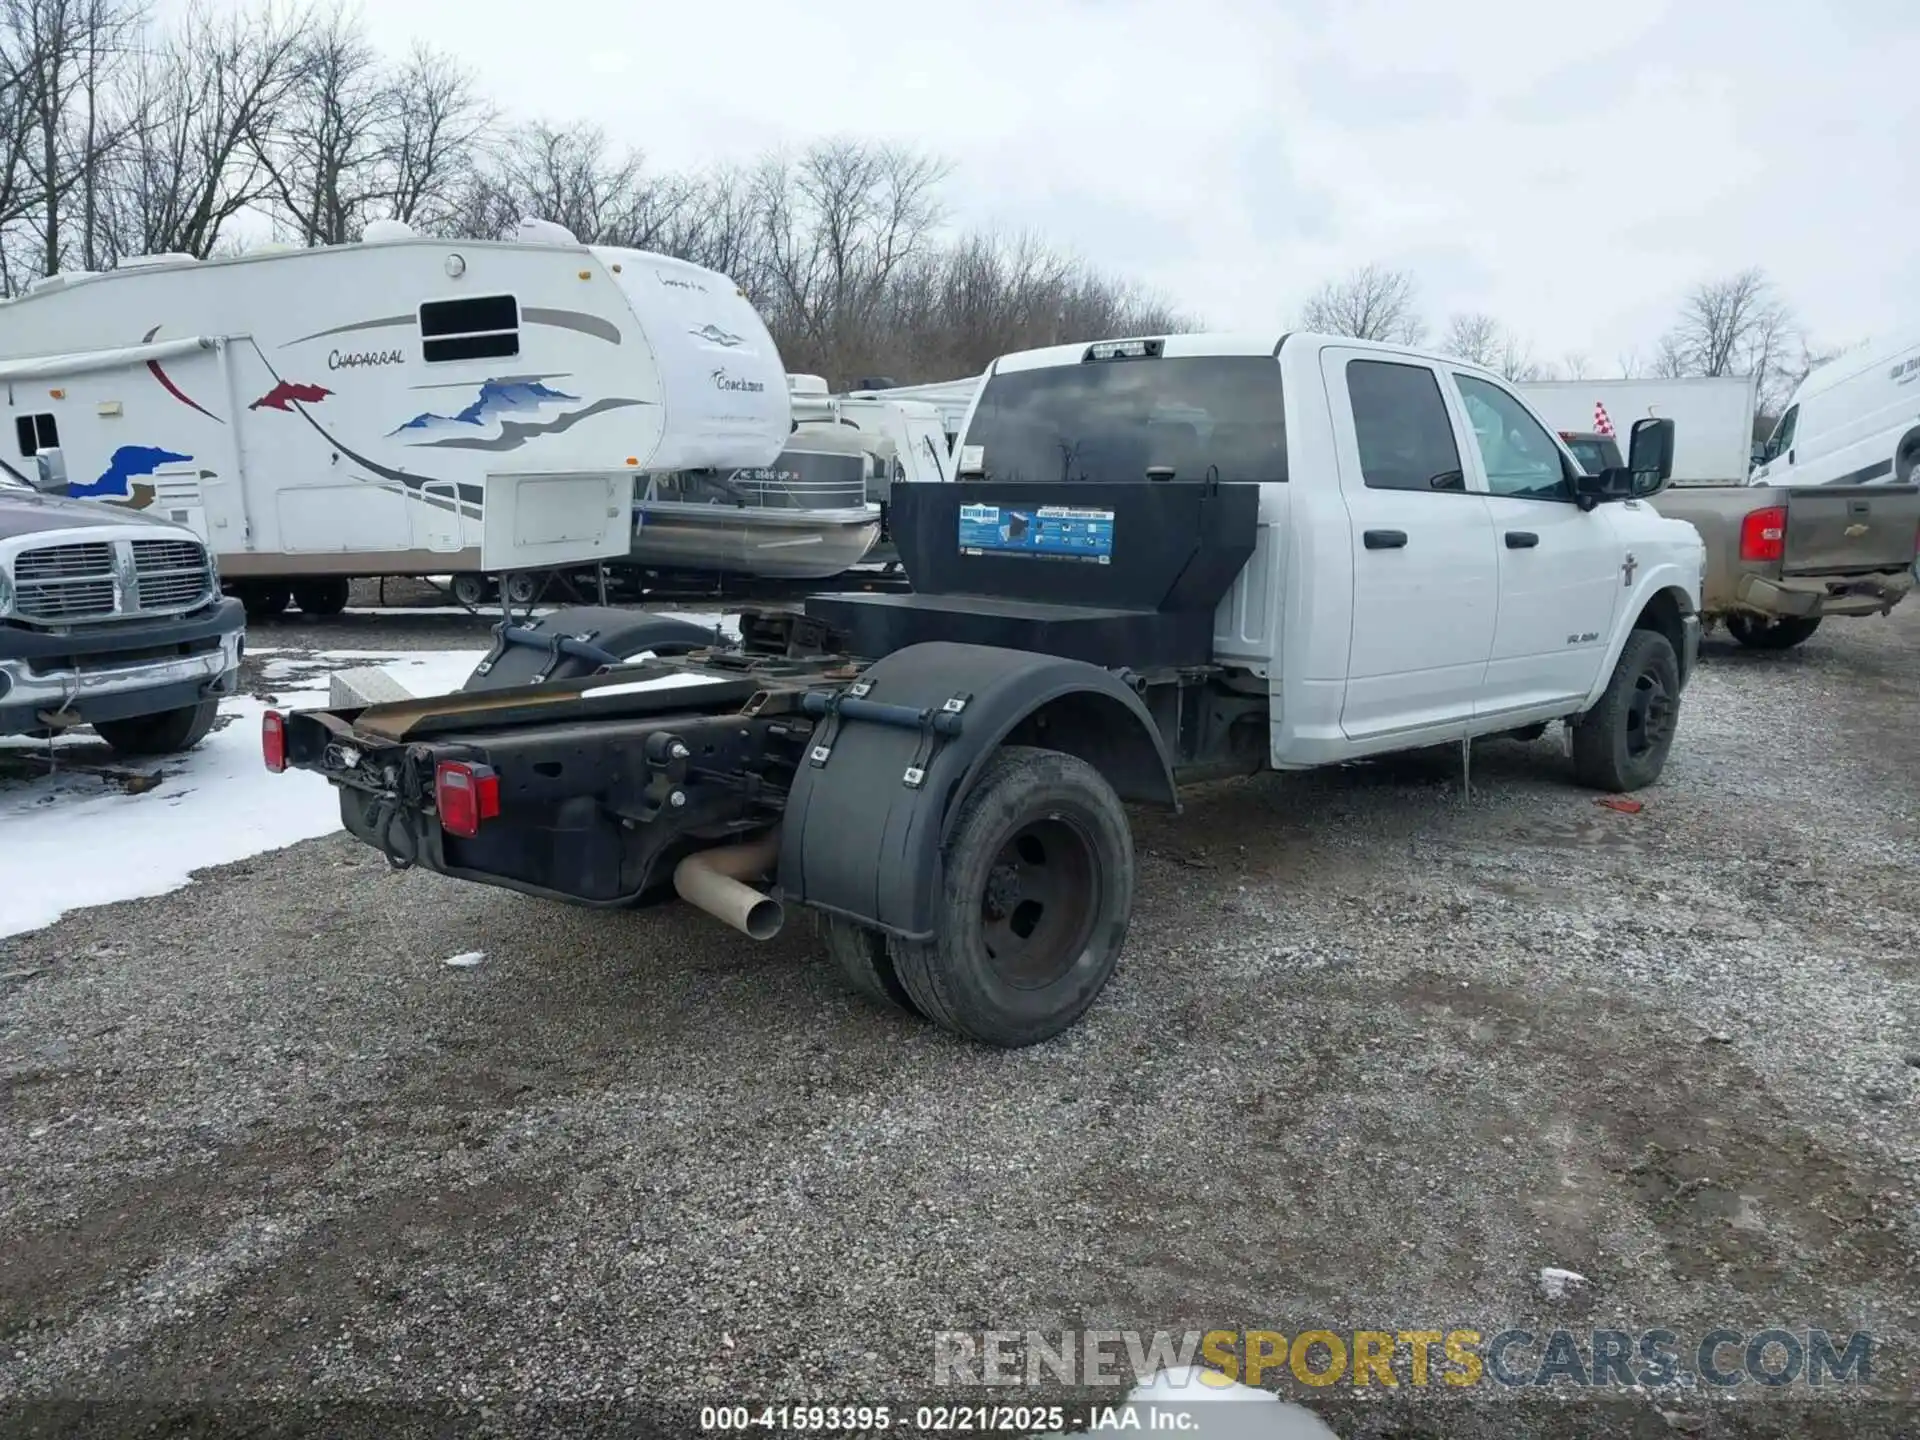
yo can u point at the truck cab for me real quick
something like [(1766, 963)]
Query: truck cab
[(1432, 562)]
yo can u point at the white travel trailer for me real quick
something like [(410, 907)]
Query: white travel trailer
[(401, 406), (1854, 421)]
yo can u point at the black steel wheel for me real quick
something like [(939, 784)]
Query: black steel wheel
[(1621, 744), (1039, 877)]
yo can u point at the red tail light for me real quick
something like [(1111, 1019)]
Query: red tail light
[(1763, 534), (465, 795), (273, 740)]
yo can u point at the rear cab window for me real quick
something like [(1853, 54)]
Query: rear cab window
[(1113, 420)]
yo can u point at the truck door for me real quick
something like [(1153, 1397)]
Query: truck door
[(1424, 570), (1561, 567)]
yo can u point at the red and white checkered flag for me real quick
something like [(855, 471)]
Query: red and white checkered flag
[(1601, 423)]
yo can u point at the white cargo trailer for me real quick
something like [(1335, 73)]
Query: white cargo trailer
[(1713, 418)]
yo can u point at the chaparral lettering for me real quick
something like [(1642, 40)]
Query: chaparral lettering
[(338, 361)]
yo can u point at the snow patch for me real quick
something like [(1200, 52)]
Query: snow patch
[(466, 960)]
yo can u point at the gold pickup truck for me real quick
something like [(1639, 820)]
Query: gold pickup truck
[(1780, 560)]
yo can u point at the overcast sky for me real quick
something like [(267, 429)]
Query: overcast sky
[(1570, 168)]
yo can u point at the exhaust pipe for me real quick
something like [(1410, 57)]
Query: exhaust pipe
[(712, 881)]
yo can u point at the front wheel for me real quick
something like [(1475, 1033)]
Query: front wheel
[(1758, 634), (168, 733), (1034, 911), (1621, 744)]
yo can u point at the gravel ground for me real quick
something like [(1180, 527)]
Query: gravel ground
[(1376, 1056)]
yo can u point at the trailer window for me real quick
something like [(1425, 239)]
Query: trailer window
[(36, 433), (1113, 420), (484, 327), (1401, 428)]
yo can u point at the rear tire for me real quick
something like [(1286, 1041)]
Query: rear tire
[(1758, 634), (1621, 744), (168, 733), (1038, 892), (470, 590), (864, 961), (264, 599), (522, 588), (321, 598)]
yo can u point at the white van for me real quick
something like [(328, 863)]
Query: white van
[(1855, 421)]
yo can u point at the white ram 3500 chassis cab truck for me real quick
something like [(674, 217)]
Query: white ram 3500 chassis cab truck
[(1178, 558)]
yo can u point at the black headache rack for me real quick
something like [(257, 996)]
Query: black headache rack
[(1121, 576), (603, 786)]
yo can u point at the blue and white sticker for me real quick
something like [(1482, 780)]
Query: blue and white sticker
[(1052, 532)]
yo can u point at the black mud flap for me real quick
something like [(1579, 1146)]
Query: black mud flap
[(893, 754), (578, 641)]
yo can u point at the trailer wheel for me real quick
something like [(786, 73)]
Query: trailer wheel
[(864, 961), (470, 590), (522, 588), (1034, 912), (264, 599), (321, 597), (168, 733), (1621, 744), (1758, 634)]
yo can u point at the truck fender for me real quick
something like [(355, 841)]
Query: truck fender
[(866, 821), (579, 640), (1661, 601)]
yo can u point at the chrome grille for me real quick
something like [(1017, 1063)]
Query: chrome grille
[(64, 600), (61, 584), (64, 562), (172, 573)]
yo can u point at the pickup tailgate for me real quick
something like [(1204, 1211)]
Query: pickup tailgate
[(1843, 529)]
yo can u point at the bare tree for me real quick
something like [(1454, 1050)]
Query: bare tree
[(324, 148), (1370, 304), (1734, 326), (435, 125), (1576, 365), (188, 166), (63, 55), (835, 226), (1482, 340), (1475, 338)]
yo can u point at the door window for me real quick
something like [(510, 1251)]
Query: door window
[(1402, 428), (1518, 455), (1782, 440)]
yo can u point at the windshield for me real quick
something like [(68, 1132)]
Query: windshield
[(1113, 420), (797, 480)]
